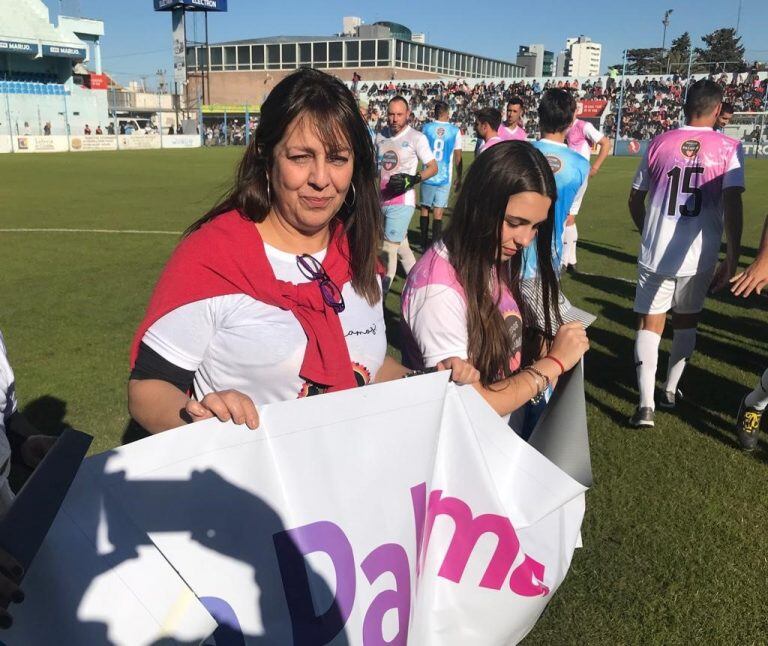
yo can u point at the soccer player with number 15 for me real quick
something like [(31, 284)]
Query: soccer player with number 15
[(694, 178)]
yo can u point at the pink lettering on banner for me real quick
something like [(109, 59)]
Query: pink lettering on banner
[(292, 546)]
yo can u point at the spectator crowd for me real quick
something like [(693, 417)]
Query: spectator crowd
[(651, 104)]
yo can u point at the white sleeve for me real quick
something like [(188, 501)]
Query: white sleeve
[(183, 335), (734, 174), (458, 144), (592, 133), (423, 150), (8, 403), (642, 180), (437, 318)]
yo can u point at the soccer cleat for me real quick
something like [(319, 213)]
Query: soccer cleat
[(668, 399), (748, 425), (571, 269), (642, 417)]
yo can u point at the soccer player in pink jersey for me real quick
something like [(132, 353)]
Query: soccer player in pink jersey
[(487, 122), (512, 128), (581, 137), (694, 177)]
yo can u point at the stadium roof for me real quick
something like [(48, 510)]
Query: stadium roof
[(285, 39)]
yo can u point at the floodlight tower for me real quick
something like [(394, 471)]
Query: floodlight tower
[(179, 9)]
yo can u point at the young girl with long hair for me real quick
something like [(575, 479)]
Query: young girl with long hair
[(463, 297)]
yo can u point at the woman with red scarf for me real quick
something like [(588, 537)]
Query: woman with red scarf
[(274, 293)]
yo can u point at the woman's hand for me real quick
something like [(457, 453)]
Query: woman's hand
[(461, 372), (570, 344), (226, 405), (10, 576)]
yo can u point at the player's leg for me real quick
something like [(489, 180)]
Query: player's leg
[(687, 303), (427, 197), (437, 224), (570, 233), (440, 203), (424, 225), (397, 217), (653, 298), (751, 412)]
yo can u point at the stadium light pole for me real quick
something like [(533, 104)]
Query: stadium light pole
[(665, 22), (621, 103)]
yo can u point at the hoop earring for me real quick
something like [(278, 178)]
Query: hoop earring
[(269, 192), (354, 198)]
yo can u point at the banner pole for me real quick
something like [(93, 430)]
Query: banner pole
[(621, 103), (10, 126)]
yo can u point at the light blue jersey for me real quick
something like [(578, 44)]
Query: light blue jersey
[(570, 170), (443, 139)]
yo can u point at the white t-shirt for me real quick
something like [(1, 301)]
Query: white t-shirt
[(236, 342), (401, 154), (8, 407), (685, 172)]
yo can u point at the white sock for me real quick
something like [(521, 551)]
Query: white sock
[(758, 398), (646, 360), (390, 251), (683, 343), (570, 236), (406, 255)]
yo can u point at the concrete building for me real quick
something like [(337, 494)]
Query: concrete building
[(536, 60), (50, 74), (583, 56), (244, 71)]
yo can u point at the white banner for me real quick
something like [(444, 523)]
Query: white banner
[(138, 142), (181, 141), (6, 144), (93, 142), (405, 512), (41, 144)]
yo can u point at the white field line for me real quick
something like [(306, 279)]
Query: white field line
[(134, 231)]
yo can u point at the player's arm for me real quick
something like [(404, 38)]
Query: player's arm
[(458, 162), (604, 149), (428, 170), (734, 223), (754, 277), (637, 207), (733, 219)]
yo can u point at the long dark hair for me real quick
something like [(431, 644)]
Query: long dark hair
[(473, 240), (334, 114)]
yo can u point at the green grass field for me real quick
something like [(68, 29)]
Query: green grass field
[(677, 523)]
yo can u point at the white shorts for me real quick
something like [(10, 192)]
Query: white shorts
[(574, 210), (657, 294)]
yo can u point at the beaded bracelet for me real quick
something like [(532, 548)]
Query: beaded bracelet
[(540, 390)]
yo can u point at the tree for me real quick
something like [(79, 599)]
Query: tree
[(645, 60), (723, 51), (679, 51)]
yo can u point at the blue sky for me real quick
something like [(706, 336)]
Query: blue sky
[(138, 40)]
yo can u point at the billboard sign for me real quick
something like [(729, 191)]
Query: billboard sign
[(15, 47), (191, 5), (590, 108), (65, 51), (630, 147), (755, 150)]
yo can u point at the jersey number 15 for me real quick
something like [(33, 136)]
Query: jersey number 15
[(674, 191)]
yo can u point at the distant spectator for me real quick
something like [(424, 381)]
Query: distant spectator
[(99, 131), (87, 129), (47, 128)]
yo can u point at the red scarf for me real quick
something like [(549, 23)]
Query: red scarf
[(226, 256)]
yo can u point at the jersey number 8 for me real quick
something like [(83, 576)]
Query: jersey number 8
[(438, 149)]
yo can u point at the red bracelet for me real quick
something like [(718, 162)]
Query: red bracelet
[(557, 361)]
